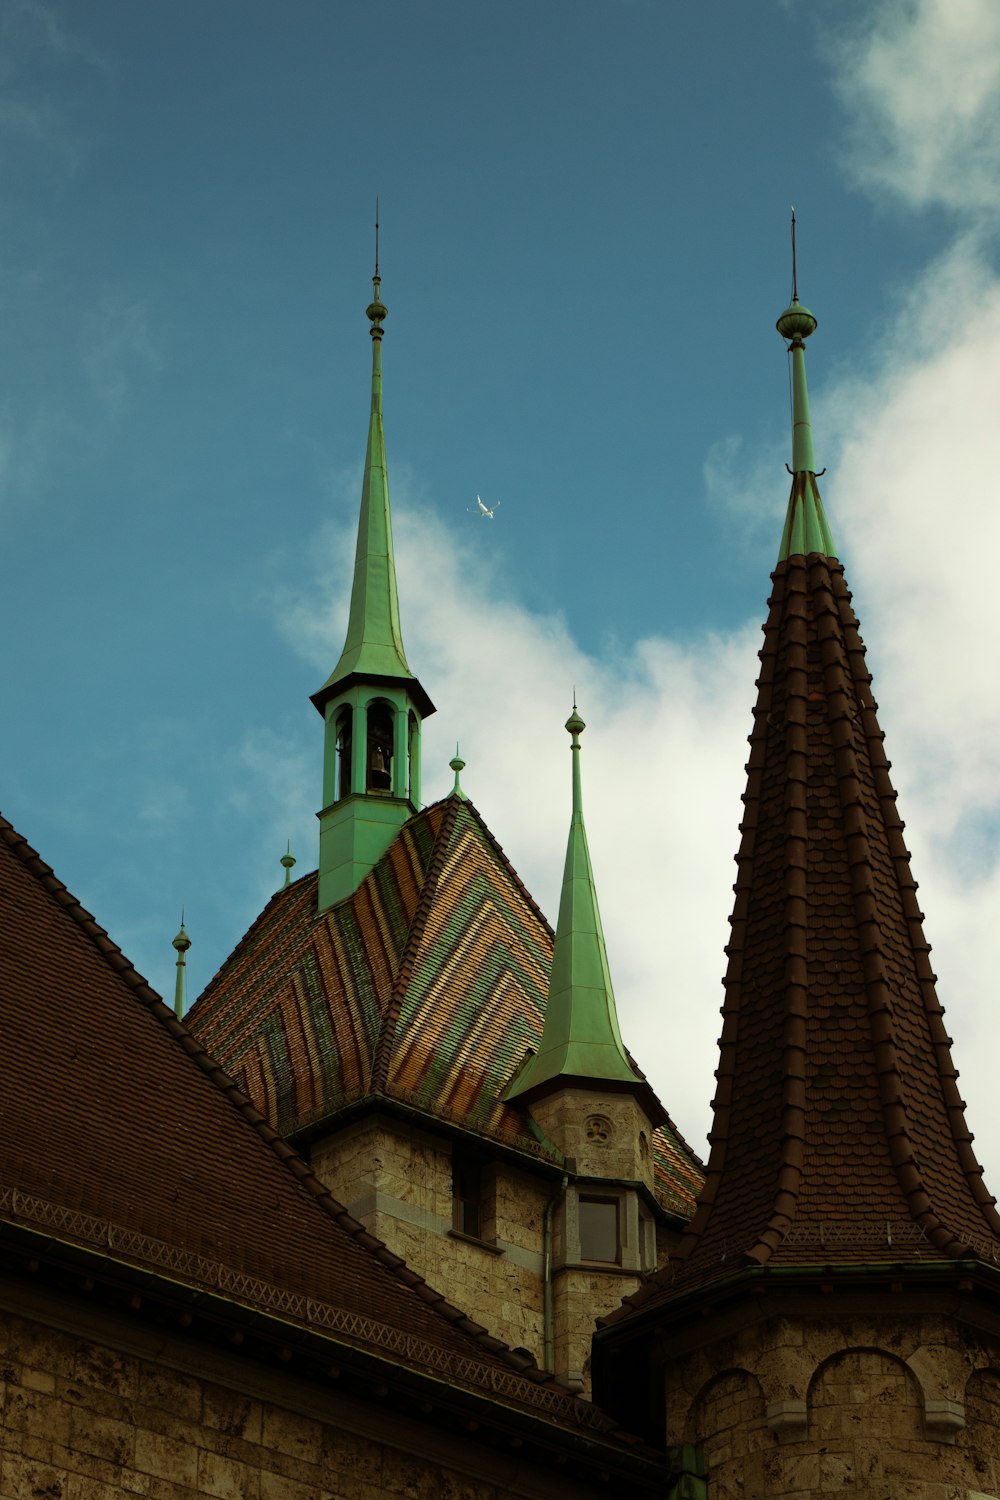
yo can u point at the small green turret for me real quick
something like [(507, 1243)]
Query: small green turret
[(581, 1039)]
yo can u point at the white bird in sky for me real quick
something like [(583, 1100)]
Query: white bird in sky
[(485, 511)]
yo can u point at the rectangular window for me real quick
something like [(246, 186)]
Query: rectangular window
[(599, 1234), (467, 1194)]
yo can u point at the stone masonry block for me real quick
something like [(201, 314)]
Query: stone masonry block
[(235, 1416), (166, 1458), (226, 1479)]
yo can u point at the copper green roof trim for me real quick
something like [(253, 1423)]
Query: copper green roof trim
[(806, 527), (374, 644), (581, 1039)]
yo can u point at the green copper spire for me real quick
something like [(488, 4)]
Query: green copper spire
[(289, 861), (372, 703), (374, 644), (806, 527), (182, 943), (581, 1040)]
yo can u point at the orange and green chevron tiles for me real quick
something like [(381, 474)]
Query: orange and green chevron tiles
[(427, 986)]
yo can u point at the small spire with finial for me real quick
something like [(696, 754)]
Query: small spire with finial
[(457, 764), (796, 324), (289, 861), (182, 943), (575, 727), (376, 310)]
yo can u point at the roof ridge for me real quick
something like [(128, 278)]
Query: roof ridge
[(909, 1172), (379, 1079), (290, 1158), (498, 849), (88, 924), (239, 951)]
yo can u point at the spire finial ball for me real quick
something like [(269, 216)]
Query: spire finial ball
[(376, 311), (796, 323), (574, 724)]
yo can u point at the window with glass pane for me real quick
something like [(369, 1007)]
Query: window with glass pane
[(599, 1238)]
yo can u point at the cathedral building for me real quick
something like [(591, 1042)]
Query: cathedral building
[(393, 1212)]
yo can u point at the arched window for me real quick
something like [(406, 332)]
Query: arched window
[(345, 745), (379, 758)]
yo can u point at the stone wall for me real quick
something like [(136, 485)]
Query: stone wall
[(93, 1413), (871, 1407), (397, 1180)]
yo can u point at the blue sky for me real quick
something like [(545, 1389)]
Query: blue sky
[(584, 250)]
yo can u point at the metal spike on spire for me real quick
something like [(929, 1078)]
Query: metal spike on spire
[(795, 280), (376, 235)]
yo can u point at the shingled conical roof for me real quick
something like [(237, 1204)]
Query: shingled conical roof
[(839, 1134)]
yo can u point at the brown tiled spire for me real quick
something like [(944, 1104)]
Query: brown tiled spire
[(839, 1134), (839, 1131)]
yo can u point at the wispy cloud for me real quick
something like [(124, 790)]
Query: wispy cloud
[(920, 83), (117, 347), (33, 24)]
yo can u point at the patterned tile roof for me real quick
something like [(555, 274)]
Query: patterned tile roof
[(427, 987), (839, 1131), (122, 1137)]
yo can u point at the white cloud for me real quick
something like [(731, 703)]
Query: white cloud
[(921, 86), (911, 498)]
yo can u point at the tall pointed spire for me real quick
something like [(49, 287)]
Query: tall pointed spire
[(371, 702), (839, 1133), (581, 1040), (806, 527), (374, 644)]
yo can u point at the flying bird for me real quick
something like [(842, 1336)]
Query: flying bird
[(485, 511)]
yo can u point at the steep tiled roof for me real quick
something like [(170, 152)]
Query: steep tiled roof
[(427, 987), (839, 1131), (119, 1135)]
